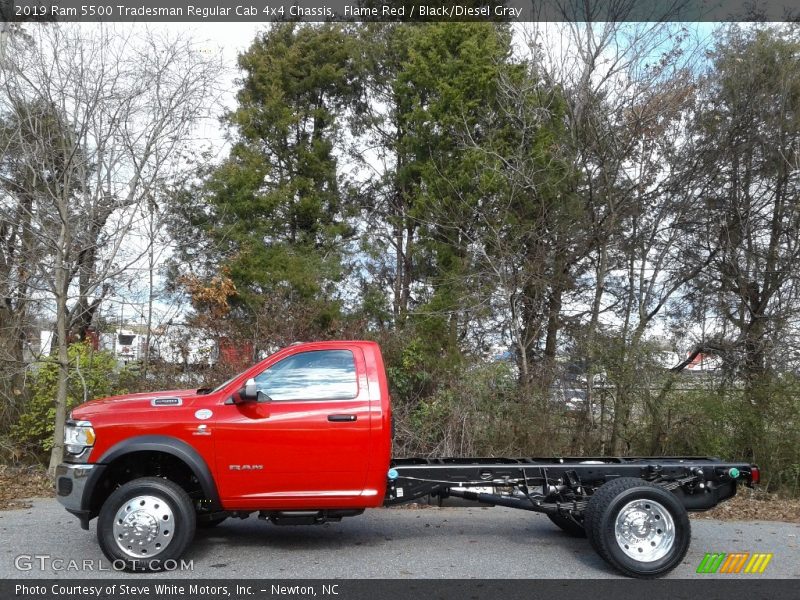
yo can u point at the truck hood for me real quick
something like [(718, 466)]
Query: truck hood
[(129, 402)]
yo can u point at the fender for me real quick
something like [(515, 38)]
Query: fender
[(168, 445)]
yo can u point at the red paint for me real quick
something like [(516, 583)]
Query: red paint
[(308, 461)]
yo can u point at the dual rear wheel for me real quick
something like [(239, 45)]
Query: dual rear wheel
[(637, 527)]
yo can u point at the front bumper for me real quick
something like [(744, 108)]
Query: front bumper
[(74, 485)]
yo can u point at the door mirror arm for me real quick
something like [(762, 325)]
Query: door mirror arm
[(247, 393)]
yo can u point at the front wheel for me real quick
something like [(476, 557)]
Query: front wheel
[(639, 528), (146, 524)]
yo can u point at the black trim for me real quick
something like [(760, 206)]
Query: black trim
[(83, 516), (342, 418), (94, 478), (168, 445)]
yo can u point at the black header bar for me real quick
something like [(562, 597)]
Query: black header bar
[(158, 587), (256, 11)]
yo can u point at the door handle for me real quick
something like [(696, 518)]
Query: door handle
[(342, 418)]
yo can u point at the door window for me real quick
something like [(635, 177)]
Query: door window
[(315, 375)]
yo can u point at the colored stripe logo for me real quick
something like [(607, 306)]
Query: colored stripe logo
[(734, 562)]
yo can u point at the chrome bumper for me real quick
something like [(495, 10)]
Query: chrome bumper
[(72, 482)]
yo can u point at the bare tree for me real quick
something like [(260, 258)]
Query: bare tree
[(627, 88), (101, 117), (745, 140)]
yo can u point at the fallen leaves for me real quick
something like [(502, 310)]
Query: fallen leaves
[(19, 483), (753, 505)]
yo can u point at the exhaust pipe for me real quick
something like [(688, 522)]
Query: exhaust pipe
[(494, 499)]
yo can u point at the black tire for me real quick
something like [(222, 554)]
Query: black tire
[(569, 525), (209, 523), (167, 515), (606, 505)]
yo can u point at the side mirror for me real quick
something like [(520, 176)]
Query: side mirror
[(249, 391)]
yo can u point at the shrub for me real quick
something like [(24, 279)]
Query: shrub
[(92, 374)]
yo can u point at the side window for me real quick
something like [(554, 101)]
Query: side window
[(316, 375)]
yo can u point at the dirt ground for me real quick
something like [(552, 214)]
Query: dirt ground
[(18, 484), (754, 505)]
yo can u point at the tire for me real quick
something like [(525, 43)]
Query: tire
[(637, 527), (209, 523), (569, 525), (145, 523)]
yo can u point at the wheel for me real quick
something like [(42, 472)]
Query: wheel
[(145, 523), (209, 523), (639, 528), (570, 525)]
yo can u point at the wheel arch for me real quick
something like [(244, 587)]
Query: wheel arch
[(153, 445)]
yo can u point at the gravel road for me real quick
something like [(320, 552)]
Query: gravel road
[(396, 543)]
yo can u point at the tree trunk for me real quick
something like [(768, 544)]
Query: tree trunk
[(57, 452), (61, 288), (551, 338)]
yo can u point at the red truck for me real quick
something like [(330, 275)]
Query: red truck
[(304, 437)]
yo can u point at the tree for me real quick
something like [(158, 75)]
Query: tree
[(524, 233), (18, 244), (424, 85), (93, 138), (627, 88), (274, 211), (746, 133)]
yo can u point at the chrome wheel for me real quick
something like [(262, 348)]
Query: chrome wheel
[(144, 526), (645, 530)]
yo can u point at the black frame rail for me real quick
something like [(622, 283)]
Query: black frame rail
[(543, 484)]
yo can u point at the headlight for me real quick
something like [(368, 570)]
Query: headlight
[(78, 436)]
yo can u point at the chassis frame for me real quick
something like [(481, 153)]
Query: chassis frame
[(562, 486)]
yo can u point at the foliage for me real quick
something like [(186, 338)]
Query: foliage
[(93, 374), (277, 216), (480, 411), (725, 422)]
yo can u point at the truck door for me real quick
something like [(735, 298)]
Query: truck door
[(307, 439)]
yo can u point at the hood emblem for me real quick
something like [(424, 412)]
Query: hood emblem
[(166, 402)]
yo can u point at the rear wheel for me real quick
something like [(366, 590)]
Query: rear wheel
[(638, 528), (570, 525), (146, 523)]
